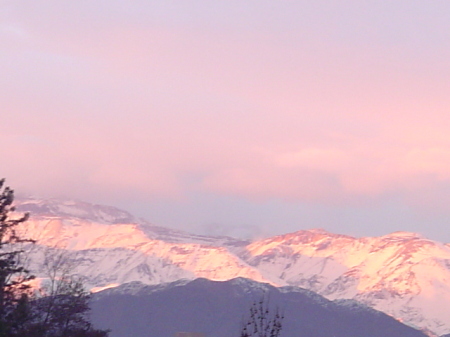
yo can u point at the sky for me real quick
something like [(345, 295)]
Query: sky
[(243, 118)]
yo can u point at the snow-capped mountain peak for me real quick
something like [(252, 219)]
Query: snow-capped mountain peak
[(74, 209), (402, 274)]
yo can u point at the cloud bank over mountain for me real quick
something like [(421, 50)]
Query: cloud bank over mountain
[(287, 106)]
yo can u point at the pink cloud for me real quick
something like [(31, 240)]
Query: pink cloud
[(143, 108)]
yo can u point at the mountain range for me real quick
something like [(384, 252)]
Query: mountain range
[(218, 309), (401, 274)]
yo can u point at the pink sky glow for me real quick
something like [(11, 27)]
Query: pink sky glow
[(267, 115)]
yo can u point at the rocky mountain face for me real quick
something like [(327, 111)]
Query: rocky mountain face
[(217, 309), (401, 274)]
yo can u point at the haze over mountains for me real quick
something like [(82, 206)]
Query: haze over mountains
[(401, 274)]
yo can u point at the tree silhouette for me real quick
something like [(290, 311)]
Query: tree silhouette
[(58, 311), (14, 295), (262, 322)]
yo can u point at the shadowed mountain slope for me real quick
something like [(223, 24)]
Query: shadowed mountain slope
[(217, 309)]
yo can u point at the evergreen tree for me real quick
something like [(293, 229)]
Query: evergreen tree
[(14, 296), (58, 311)]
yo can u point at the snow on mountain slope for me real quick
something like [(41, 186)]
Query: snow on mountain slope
[(82, 213), (151, 263), (106, 252), (71, 208), (402, 274)]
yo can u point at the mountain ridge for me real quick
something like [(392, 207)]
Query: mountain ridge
[(402, 274), (216, 309)]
